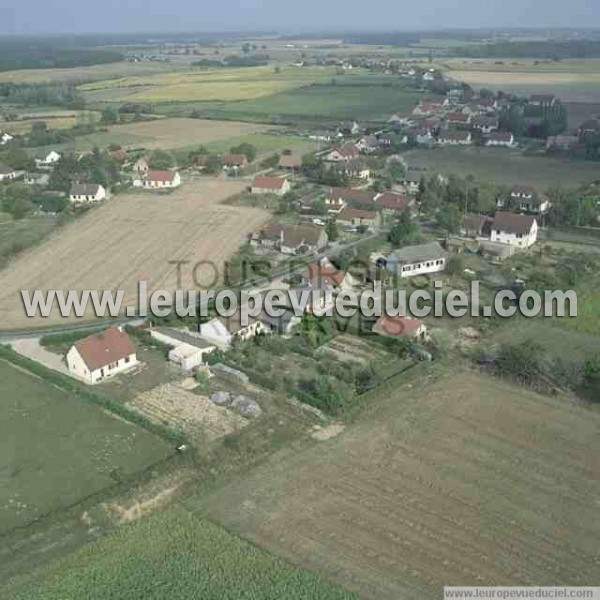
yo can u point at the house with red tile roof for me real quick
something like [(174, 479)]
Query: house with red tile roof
[(345, 152), (101, 356), (405, 327), (157, 179), (263, 184)]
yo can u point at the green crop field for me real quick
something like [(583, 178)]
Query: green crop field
[(173, 555), (18, 235), (340, 101), (56, 448), (504, 166)]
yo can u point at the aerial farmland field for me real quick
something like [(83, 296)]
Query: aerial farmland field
[(448, 480), (130, 238), (197, 559), (57, 448)]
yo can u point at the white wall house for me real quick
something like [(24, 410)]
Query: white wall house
[(516, 230), (7, 173), (49, 160), (101, 356), (263, 184), (417, 260), (86, 192), (158, 180), (501, 139)]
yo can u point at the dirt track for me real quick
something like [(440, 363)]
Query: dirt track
[(131, 238)]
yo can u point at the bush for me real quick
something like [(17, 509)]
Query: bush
[(67, 339)]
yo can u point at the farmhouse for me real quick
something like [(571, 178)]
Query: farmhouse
[(263, 184), (357, 169), (158, 180), (391, 203), (102, 355), (524, 198), (454, 138), (407, 327), (324, 273), (223, 331), (501, 138), (87, 192), (368, 144), (234, 161), (7, 173), (485, 124), (49, 160), (356, 217), (347, 151), (290, 162), (142, 166), (313, 297), (417, 260), (477, 226), (515, 230), (188, 350), (291, 239), (339, 197)]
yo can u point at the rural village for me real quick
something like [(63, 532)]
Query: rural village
[(437, 179)]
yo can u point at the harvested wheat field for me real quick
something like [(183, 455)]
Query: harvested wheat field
[(459, 480), (176, 133), (131, 238)]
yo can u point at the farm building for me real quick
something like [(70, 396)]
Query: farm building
[(86, 192), (417, 260), (102, 355), (477, 226), (515, 230), (287, 161), (357, 217), (485, 124), (7, 173), (223, 331), (454, 138), (291, 239), (188, 349), (347, 151), (324, 273), (524, 198), (158, 180), (407, 327), (234, 161), (263, 184), (391, 203), (501, 138), (49, 160)]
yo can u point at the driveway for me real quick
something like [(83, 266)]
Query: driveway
[(30, 347)]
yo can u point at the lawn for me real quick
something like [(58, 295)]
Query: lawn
[(504, 166), (458, 479), (264, 143), (172, 554), (56, 448)]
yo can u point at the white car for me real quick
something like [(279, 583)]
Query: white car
[(318, 222)]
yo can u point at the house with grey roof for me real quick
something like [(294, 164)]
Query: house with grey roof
[(420, 259), (87, 192)]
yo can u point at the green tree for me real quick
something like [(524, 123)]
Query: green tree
[(403, 231), (110, 115), (16, 200), (331, 230), (159, 159), (449, 218), (248, 150)]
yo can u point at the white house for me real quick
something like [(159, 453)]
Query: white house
[(263, 184), (515, 230), (417, 260), (501, 138), (524, 198), (188, 351), (49, 160), (7, 173), (86, 192), (223, 331), (158, 180), (348, 151), (5, 138), (101, 356), (141, 166), (454, 138)]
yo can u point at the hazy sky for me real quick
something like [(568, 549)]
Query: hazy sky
[(58, 16)]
